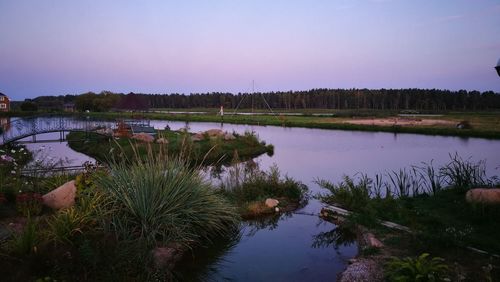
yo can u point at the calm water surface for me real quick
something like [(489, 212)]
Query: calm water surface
[(287, 249)]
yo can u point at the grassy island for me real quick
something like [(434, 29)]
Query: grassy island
[(199, 149)]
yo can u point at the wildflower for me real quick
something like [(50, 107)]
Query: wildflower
[(13, 151), (13, 172)]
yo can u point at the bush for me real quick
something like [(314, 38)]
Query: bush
[(422, 268), (161, 201)]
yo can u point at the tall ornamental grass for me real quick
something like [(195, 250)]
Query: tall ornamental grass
[(161, 201)]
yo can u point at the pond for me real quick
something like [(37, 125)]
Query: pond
[(289, 248)]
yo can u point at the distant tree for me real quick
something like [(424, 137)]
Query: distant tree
[(29, 106)]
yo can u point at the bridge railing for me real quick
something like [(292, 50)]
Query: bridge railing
[(25, 127)]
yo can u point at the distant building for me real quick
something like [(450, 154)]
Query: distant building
[(4, 103), (69, 107)]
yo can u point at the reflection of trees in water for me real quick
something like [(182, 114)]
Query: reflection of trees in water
[(269, 222), (337, 237), (203, 263)]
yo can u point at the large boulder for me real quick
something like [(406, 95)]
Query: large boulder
[(61, 197), (214, 132), (198, 137), (229, 136), (144, 137), (483, 196)]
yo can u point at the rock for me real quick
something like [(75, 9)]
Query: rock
[(229, 136), (214, 132), (61, 197), (271, 203), (166, 257), (162, 141), (144, 137), (198, 137), (371, 241), (483, 196)]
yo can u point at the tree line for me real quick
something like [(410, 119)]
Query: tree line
[(335, 99)]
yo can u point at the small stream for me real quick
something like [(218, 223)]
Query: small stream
[(293, 247)]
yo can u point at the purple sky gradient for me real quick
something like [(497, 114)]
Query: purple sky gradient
[(65, 47)]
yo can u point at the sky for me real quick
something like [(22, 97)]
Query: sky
[(71, 47)]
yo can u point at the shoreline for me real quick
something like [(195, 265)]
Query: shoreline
[(444, 128)]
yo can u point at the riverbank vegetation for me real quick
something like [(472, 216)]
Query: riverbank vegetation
[(432, 203), (258, 192), (197, 149), (131, 220)]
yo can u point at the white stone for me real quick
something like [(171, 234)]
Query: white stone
[(271, 203)]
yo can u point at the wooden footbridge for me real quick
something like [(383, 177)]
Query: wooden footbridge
[(32, 126)]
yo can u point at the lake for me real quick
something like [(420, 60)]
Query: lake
[(287, 248)]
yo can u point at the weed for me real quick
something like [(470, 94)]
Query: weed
[(423, 268)]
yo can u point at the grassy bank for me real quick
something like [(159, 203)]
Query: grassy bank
[(212, 151), (432, 203), (482, 124)]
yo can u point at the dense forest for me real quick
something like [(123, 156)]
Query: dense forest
[(381, 99)]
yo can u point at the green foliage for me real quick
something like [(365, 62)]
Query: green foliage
[(53, 181), (464, 174), (28, 106), (161, 201), (27, 241), (420, 269), (249, 184), (65, 224), (348, 193)]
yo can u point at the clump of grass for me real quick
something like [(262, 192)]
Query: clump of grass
[(464, 174), (349, 193), (159, 201), (27, 241), (246, 185)]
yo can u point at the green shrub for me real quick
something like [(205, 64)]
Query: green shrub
[(161, 201), (420, 269)]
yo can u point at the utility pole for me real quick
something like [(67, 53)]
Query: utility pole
[(253, 91)]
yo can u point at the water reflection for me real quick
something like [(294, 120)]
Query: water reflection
[(288, 247), (4, 123), (336, 238)]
